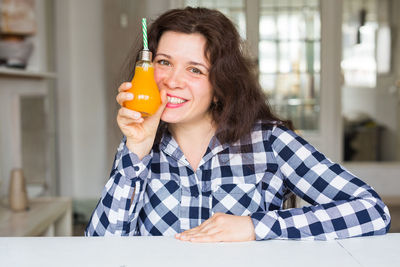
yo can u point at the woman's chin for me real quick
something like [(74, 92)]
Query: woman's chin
[(169, 118)]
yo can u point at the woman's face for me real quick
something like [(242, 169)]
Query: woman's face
[(181, 69)]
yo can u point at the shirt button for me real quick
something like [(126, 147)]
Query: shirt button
[(136, 168)]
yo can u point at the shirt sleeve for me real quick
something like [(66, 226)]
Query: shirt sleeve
[(341, 204), (114, 213)]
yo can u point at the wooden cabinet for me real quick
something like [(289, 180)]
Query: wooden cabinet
[(27, 112), (46, 216)]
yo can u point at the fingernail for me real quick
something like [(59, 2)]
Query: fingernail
[(128, 85), (178, 235), (129, 96), (136, 115)]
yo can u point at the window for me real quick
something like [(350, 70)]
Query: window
[(233, 9), (289, 59), (289, 44), (359, 29), (369, 99)]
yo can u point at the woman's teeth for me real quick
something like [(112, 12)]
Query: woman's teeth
[(175, 100)]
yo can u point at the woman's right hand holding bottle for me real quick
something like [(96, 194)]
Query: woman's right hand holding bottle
[(140, 132)]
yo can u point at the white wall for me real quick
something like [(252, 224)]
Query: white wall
[(154, 8), (83, 169), (83, 163)]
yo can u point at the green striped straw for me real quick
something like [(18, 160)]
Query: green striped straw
[(144, 29)]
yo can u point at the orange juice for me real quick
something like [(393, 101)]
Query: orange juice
[(146, 97)]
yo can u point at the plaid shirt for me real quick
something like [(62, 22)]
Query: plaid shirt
[(248, 178)]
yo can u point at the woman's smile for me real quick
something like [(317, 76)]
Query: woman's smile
[(175, 102)]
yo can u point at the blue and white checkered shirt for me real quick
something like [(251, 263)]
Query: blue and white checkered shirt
[(248, 178)]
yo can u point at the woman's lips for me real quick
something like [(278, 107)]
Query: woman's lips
[(175, 102), (170, 105)]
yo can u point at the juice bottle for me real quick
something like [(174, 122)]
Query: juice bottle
[(146, 97)]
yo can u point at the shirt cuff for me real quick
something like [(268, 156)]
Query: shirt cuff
[(128, 163), (266, 225)]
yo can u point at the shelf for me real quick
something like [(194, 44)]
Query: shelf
[(26, 73), (48, 216)]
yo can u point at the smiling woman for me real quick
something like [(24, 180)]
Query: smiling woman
[(181, 70), (214, 163)]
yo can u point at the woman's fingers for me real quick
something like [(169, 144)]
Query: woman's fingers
[(189, 232), (221, 227), (206, 238), (123, 96), (207, 224), (124, 86), (129, 114), (202, 236), (126, 96), (123, 122), (204, 232), (206, 228), (197, 229), (164, 102), (127, 117)]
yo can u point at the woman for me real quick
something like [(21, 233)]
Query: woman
[(214, 163)]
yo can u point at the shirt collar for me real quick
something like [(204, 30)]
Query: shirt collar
[(170, 147)]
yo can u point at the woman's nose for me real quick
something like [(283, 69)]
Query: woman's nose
[(174, 79)]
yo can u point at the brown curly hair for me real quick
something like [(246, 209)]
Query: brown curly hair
[(240, 101)]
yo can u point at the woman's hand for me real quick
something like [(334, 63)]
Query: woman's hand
[(140, 132), (221, 228)]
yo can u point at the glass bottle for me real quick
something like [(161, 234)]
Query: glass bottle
[(146, 96)]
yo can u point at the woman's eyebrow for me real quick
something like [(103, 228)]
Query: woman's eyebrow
[(198, 64), (162, 54), (190, 62)]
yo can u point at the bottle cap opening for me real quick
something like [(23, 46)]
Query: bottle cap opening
[(145, 55)]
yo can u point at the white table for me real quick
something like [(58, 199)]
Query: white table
[(166, 251)]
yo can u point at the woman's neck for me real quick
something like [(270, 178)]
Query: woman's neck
[(193, 139), (198, 128)]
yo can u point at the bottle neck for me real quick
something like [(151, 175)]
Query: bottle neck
[(145, 55), (144, 64)]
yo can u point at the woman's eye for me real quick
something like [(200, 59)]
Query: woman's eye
[(163, 62), (195, 70)]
